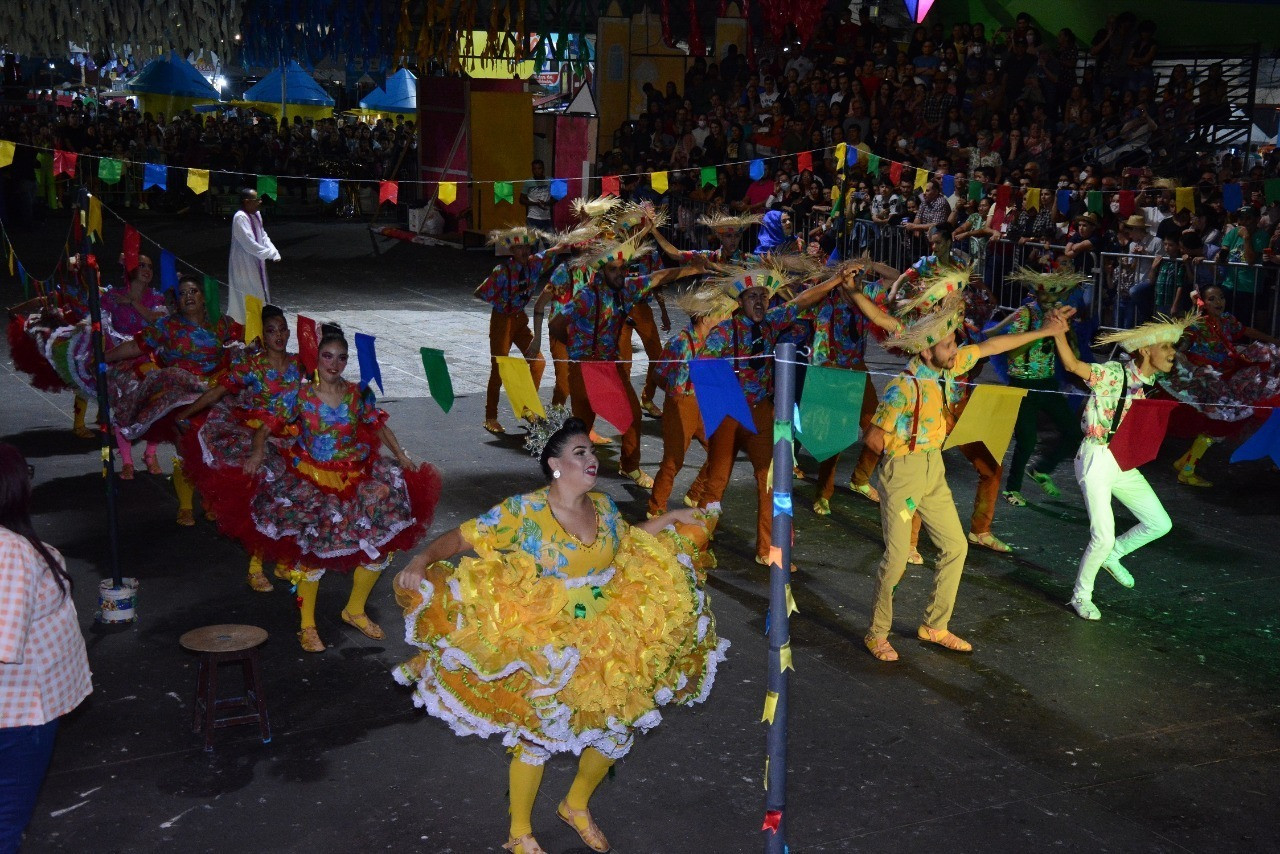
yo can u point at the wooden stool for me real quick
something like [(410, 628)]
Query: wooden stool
[(218, 645)]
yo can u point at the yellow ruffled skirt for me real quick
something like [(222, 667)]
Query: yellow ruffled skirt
[(558, 665)]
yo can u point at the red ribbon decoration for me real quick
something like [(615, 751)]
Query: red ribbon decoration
[(771, 820), (1137, 441)]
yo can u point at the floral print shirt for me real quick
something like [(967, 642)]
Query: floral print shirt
[(526, 524), (939, 393), (736, 337), (1105, 381), (1037, 360), (673, 367), (173, 341), (510, 285), (597, 312), (125, 318), (336, 434), (1212, 340), (839, 332), (264, 392)]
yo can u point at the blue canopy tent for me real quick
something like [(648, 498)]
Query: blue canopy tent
[(170, 85), (295, 90), (398, 97)]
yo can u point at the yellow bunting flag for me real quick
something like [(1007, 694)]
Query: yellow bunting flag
[(791, 602), (198, 180), (922, 178), (252, 318), (95, 217), (6, 152), (658, 180), (1186, 198), (11, 269), (1032, 199), (518, 381), (448, 192), (770, 706), (784, 657), (842, 154), (988, 418)]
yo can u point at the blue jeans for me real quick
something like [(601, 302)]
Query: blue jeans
[(24, 758)]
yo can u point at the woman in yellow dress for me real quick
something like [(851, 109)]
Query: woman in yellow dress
[(566, 633)]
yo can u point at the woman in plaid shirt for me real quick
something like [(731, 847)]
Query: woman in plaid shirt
[(44, 672)]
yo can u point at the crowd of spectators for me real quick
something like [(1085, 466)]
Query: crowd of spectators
[(1032, 112)]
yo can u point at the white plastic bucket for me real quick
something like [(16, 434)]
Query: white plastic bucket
[(116, 604)]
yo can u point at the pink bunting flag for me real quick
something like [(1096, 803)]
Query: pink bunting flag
[(608, 397), (1138, 439), (388, 191)]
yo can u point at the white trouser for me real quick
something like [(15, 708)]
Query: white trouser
[(1101, 479)]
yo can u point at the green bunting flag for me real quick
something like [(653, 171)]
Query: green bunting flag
[(504, 191), (975, 190), (212, 298), (1272, 189), (267, 187), (873, 164), (709, 177), (438, 377), (109, 170), (1093, 201), (830, 409)]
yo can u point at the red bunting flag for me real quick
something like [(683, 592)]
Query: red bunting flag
[(64, 163), (804, 161), (388, 191), (1127, 206), (1137, 440), (308, 344), (1004, 195), (772, 818), (608, 398), (610, 186), (895, 173), (131, 247)]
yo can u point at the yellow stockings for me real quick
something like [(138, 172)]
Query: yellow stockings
[(523, 781)]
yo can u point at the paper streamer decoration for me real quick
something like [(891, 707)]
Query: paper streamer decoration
[(658, 180), (267, 187), (1127, 203), (1032, 199), (1265, 442), (988, 418), (437, 371), (804, 162), (708, 177), (895, 172), (130, 247), (328, 190), (1064, 202), (370, 371), (842, 154), (168, 271), (1185, 198), (608, 398), (253, 323), (791, 600), (922, 179), (975, 191), (559, 189), (873, 164), (948, 185), (155, 175), (772, 818), (1232, 197), (504, 191), (64, 163), (94, 223), (756, 170), (110, 170), (719, 394), (852, 159), (212, 297), (784, 657), (198, 181), (518, 382), (308, 344), (1137, 440), (830, 409), (448, 192), (1093, 201), (770, 706), (610, 186), (388, 191), (6, 152)]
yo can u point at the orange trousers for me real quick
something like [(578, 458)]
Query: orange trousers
[(560, 363), (722, 449), (642, 317), (868, 459), (984, 502), (505, 330), (681, 424), (581, 405)]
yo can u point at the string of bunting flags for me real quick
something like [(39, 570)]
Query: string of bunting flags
[(156, 175)]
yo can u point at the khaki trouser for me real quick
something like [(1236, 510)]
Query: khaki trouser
[(984, 500), (505, 330), (922, 478), (681, 424)]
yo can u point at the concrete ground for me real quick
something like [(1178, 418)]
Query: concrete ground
[(1157, 729)]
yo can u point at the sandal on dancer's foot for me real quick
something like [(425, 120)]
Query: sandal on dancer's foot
[(597, 439), (590, 833), (126, 472), (1046, 483), (915, 558), (524, 845), (309, 638), (880, 648), (989, 540), (153, 465), (641, 479), (260, 582), (1187, 477), (367, 627), (494, 427), (651, 409), (186, 518), (822, 507), (866, 490), (1014, 497), (944, 638)]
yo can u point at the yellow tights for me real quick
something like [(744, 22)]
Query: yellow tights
[(524, 779), (182, 486)]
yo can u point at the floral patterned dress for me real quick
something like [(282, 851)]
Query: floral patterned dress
[(184, 360), (328, 499), (38, 345), (120, 322), (556, 644), (1220, 380)]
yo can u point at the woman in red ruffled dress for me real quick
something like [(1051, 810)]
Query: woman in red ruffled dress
[(328, 500)]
